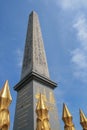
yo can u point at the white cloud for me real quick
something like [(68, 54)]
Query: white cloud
[(79, 58), (19, 57), (81, 28), (79, 55), (72, 4)]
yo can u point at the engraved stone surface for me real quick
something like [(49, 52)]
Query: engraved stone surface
[(34, 54), (53, 112), (24, 109)]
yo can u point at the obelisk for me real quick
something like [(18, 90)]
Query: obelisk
[(35, 79)]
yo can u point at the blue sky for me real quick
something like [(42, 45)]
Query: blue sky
[(64, 29)]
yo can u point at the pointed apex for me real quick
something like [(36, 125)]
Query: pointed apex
[(82, 117), (66, 112), (41, 104), (34, 54), (33, 12), (5, 92)]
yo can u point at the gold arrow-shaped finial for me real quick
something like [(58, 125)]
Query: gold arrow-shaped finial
[(67, 119), (83, 120), (66, 112), (5, 100), (5, 95), (42, 115)]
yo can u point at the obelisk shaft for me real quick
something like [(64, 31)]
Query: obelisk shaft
[(34, 54)]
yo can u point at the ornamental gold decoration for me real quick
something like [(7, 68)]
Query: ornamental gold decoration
[(38, 95), (83, 120), (67, 118), (42, 115), (5, 101), (51, 98)]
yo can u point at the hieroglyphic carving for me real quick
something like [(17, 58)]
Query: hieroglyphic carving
[(51, 98), (34, 54), (28, 46), (38, 94), (24, 104), (22, 111)]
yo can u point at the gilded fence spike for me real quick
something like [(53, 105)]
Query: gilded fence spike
[(67, 119), (42, 115), (5, 96), (5, 100), (83, 120), (66, 112)]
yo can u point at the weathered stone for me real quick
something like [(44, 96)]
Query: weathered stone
[(34, 80), (34, 54)]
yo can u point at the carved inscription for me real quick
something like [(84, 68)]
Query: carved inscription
[(28, 47), (24, 104), (51, 98), (43, 95), (39, 48)]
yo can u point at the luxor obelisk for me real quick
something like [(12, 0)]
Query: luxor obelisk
[(35, 79)]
